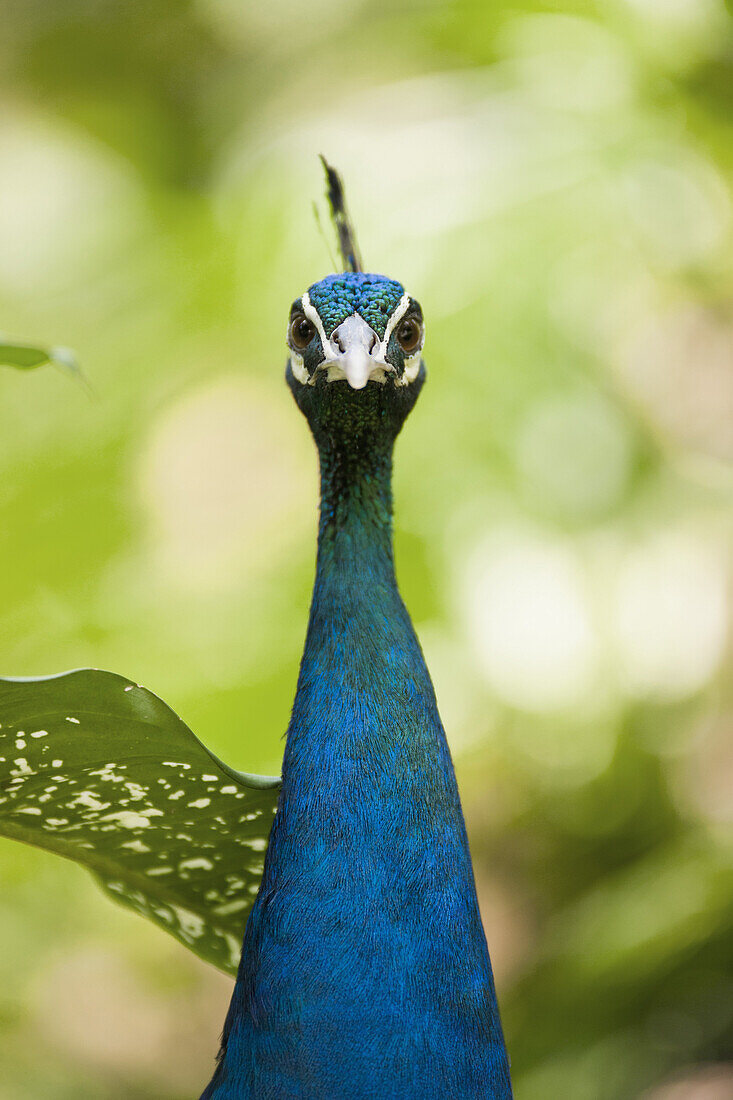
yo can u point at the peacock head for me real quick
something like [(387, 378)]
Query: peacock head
[(355, 343)]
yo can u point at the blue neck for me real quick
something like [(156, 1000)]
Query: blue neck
[(362, 675), (364, 969)]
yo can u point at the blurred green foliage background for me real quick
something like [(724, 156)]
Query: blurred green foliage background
[(553, 182)]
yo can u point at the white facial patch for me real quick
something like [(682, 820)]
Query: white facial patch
[(314, 316), (297, 365), (412, 362), (396, 317), (412, 369)]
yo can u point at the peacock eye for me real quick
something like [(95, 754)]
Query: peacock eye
[(409, 333), (301, 332)]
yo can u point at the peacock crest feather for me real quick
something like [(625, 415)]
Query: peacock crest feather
[(342, 222)]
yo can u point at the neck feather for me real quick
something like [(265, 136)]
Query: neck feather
[(364, 696), (355, 530)]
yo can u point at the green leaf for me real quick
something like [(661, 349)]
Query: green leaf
[(101, 771), (27, 357)]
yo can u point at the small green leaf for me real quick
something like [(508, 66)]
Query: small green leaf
[(101, 771), (27, 357), (23, 356)]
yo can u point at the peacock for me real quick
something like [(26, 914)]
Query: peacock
[(364, 971)]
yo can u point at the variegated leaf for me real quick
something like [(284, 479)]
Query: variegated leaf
[(101, 771)]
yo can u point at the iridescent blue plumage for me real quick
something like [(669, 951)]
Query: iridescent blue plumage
[(374, 297), (365, 973)]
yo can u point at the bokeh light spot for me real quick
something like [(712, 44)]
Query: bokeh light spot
[(670, 619), (228, 482), (526, 611), (574, 455)]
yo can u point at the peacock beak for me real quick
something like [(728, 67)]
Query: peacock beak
[(356, 351)]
